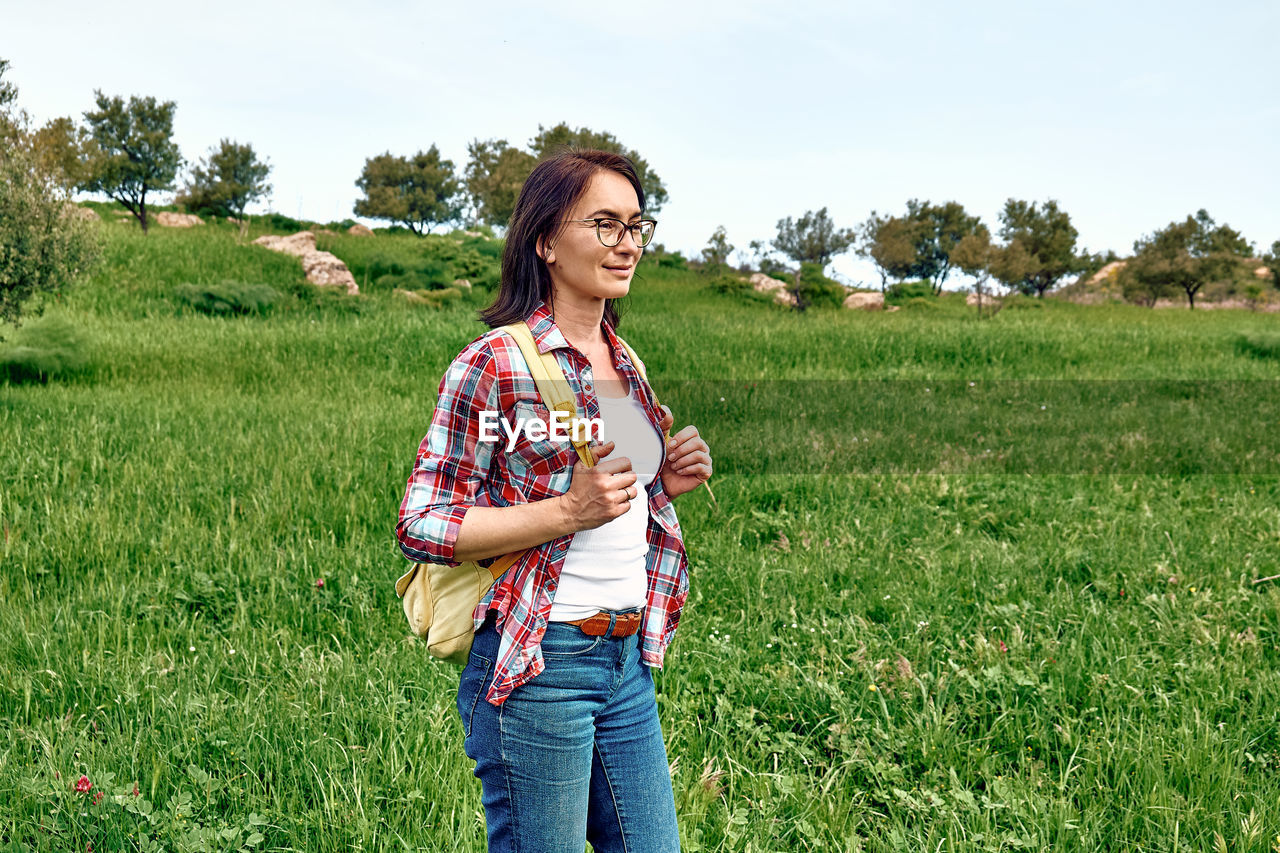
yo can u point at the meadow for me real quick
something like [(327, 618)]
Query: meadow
[(1028, 608)]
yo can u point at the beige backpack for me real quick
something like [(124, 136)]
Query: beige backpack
[(439, 601)]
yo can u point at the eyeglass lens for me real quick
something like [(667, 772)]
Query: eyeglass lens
[(611, 230)]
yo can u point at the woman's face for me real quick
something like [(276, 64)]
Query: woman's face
[(581, 267)]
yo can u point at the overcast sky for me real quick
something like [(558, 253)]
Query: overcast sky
[(1129, 114)]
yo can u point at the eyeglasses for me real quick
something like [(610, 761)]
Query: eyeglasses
[(610, 231)]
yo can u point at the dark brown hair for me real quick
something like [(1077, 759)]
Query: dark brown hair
[(547, 197)]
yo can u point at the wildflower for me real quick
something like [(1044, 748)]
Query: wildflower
[(768, 645), (871, 687), (134, 792), (97, 797), (1003, 647), (319, 583), (83, 785)]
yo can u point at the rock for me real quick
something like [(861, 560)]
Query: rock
[(409, 296), (461, 282), (75, 211), (472, 233), (762, 283), (321, 268), (865, 301), (300, 244), (987, 299), (1107, 273), (765, 284), (359, 230), (169, 219)]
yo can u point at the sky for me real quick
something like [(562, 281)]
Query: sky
[(1129, 114)]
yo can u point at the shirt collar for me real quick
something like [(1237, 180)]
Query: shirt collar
[(547, 335)]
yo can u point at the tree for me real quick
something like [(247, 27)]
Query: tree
[(494, 175), (1185, 255), (551, 139), (135, 153), (420, 191), (889, 243), (43, 245), (8, 96), (975, 255), (1272, 262), (1046, 242), (936, 229), (64, 151), (226, 181), (813, 238), (716, 255)]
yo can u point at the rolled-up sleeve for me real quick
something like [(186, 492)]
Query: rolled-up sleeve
[(452, 461)]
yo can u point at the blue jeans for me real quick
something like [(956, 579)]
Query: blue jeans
[(574, 755)]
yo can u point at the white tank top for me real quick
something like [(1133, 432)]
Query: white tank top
[(604, 568)]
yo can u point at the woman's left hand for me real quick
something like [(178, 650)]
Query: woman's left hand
[(688, 463)]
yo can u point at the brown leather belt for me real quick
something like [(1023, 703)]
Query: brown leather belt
[(624, 625)]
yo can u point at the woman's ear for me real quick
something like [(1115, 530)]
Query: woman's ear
[(547, 255)]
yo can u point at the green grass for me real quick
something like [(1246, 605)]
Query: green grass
[(1064, 654)]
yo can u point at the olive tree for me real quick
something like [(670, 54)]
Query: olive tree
[(134, 152)]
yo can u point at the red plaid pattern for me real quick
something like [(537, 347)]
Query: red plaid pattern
[(455, 470)]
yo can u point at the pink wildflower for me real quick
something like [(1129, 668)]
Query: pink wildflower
[(83, 785), (319, 583), (135, 789), (97, 797), (1003, 647)]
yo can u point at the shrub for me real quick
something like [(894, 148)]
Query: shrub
[(818, 290), (1259, 345), (917, 303), (432, 298), (776, 269), (280, 222), (729, 284), (47, 347), (907, 290), (672, 260), (228, 298)]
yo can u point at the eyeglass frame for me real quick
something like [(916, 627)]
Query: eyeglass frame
[(626, 228)]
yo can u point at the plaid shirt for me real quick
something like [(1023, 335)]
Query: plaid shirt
[(455, 470)]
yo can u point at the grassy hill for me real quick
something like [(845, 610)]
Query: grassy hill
[(979, 585)]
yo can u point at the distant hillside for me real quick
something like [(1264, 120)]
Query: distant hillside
[(1104, 286)]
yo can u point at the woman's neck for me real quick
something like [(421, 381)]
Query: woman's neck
[(580, 322)]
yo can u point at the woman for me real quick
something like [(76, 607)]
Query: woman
[(557, 701)]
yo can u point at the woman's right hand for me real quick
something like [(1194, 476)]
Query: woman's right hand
[(598, 495)]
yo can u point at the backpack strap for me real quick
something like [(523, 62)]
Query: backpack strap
[(636, 363), (557, 395)]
